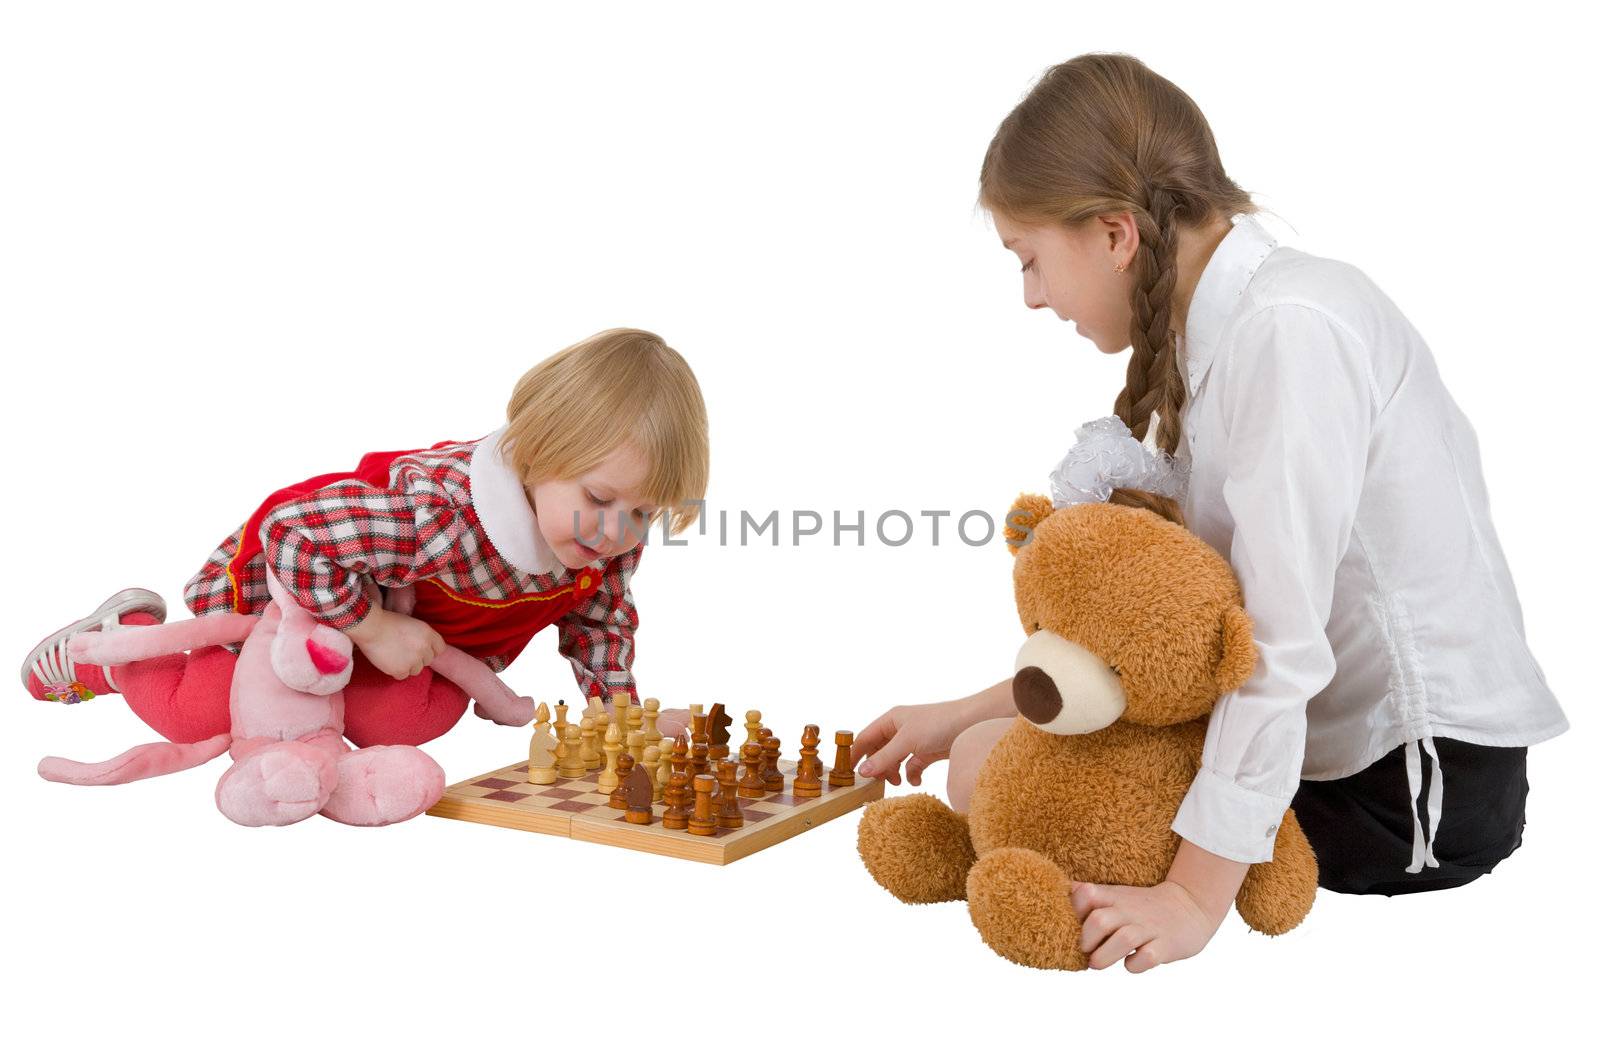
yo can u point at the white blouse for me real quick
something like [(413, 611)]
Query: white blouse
[(1333, 470)]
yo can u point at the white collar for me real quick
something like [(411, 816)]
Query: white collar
[(1227, 273), (501, 503)]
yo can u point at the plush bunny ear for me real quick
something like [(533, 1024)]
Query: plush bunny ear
[(1238, 650), (1027, 513)]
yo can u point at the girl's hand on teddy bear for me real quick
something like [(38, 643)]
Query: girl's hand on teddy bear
[(1155, 925)]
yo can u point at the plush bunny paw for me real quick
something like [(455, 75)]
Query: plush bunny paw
[(279, 785), (383, 785)]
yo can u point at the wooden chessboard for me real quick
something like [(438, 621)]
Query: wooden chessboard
[(575, 807)]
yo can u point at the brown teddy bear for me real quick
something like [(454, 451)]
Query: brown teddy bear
[(1135, 628)]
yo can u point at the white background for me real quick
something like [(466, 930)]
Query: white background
[(243, 244)]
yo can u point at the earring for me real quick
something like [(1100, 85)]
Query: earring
[(1119, 268)]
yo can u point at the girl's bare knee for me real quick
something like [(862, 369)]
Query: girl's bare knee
[(967, 754)]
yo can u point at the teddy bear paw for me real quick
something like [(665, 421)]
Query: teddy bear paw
[(916, 847), (1020, 902)]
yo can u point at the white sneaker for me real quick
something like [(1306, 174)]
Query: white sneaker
[(50, 674)]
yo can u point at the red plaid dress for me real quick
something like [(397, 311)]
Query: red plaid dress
[(423, 526)]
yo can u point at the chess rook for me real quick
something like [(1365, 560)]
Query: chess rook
[(702, 822), (843, 774)]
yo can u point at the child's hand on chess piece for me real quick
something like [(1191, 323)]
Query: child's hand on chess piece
[(673, 722)]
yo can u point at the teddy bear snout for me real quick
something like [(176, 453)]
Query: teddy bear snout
[(1065, 688)]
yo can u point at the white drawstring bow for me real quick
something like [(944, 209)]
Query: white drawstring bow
[(1106, 457)]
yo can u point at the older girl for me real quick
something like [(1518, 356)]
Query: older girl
[(1328, 464)]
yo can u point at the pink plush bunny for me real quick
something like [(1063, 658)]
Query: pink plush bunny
[(287, 720)]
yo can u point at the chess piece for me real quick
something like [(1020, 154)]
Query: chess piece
[(679, 761), (652, 710), (542, 749), (808, 775), (752, 786), (635, 719), (752, 726), (677, 816), (608, 777), (597, 712), (664, 772), (702, 822), (636, 745), (700, 746), (619, 796), (770, 748), (729, 816), (652, 767), (717, 721), (696, 709), (561, 719), (569, 764), (639, 788), (590, 749), (843, 773)]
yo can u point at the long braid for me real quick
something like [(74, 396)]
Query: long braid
[(1153, 382)]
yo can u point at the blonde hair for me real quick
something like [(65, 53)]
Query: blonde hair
[(1102, 134), (619, 386)]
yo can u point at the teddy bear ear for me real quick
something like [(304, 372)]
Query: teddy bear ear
[(1238, 650), (1027, 512)]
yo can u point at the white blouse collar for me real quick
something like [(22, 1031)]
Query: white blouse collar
[(1227, 273), (501, 503)]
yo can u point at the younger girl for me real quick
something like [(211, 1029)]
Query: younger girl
[(1332, 469), (539, 523)]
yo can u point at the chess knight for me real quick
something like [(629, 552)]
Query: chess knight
[(1135, 628)]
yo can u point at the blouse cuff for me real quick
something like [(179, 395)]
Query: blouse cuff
[(1225, 818)]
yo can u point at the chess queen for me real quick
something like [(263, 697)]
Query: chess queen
[(478, 544)]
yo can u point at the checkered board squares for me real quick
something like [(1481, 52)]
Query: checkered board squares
[(575, 807)]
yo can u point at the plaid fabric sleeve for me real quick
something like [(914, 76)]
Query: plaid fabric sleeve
[(597, 637), (321, 544)]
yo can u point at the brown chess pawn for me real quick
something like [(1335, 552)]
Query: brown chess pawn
[(808, 776), (619, 799), (752, 786), (677, 816), (843, 773), (702, 822), (729, 816), (772, 776)]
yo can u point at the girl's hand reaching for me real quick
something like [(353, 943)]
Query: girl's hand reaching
[(672, 723), (920, 735)]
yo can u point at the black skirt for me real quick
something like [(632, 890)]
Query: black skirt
[(1362, 831)]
